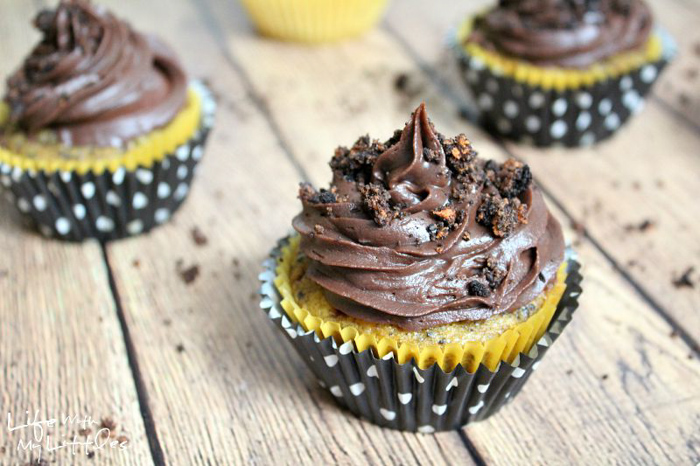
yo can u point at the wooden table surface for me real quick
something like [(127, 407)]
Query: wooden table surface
[(193, 374)]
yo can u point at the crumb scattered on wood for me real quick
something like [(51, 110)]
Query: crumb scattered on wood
[(643, 227), (180, 348), (188, 274), (167, 322), (136, 263), (108, 423), (604, 377), (407, 85), (685, 281), (198, 237), (569, 372)]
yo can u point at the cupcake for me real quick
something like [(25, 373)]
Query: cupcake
[(314, 21), (559, 71), (425, 284), (100, 130)]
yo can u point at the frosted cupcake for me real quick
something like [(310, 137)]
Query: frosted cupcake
[(559, 71), (424, 284), (100, 130)]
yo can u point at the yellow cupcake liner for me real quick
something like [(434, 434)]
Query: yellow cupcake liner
[(143, 153), (504, 347), (314, 21), (560, 79)]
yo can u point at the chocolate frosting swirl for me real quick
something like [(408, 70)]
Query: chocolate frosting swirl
[(94, 80), (563, 33), (418, 232)]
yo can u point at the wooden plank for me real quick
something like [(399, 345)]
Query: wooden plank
[(223, 386), (679, 86), (61, 349), (644, 174), (319, 97)]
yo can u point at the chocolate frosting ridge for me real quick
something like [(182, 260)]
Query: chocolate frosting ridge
[(418, 231), (564, 33), (94, 80)]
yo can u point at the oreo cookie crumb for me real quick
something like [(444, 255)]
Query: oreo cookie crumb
[(180, 348), (108, 423), (407, 86), (309, 194), (502, 215), (493, 273), (644, 226), (513, 178), (684, 281), (376, 200), (189, 274), (476, 288), (198, 237), (355, 164)]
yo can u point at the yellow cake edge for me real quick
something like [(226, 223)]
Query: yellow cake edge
[(504, 347), (560, 79), (147, 150)]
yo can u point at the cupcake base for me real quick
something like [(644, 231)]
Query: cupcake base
[(112, 204), (572, 117), (403, 396), (314, 21)]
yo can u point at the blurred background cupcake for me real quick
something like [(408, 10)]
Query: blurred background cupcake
[(100, 130), (561, 71), (425, 284), (314, 21)]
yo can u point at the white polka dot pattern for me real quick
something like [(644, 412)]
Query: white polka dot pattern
[(549, 116), (403, 396)]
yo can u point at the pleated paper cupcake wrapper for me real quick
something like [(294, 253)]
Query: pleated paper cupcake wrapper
[(570, 117), (314, 21), (109, 205), (403, 396)]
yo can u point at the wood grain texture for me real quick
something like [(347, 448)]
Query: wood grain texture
[(334, 94), (610, 189), (224, 387), (61, 347)]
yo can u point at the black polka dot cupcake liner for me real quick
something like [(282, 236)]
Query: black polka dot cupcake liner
[(547, 117), (112, 204), (403, 396)]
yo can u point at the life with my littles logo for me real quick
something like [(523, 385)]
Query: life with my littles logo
[(73, 434)]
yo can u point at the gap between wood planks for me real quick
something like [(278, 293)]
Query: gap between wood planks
[(141, 392), (445, 89)]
